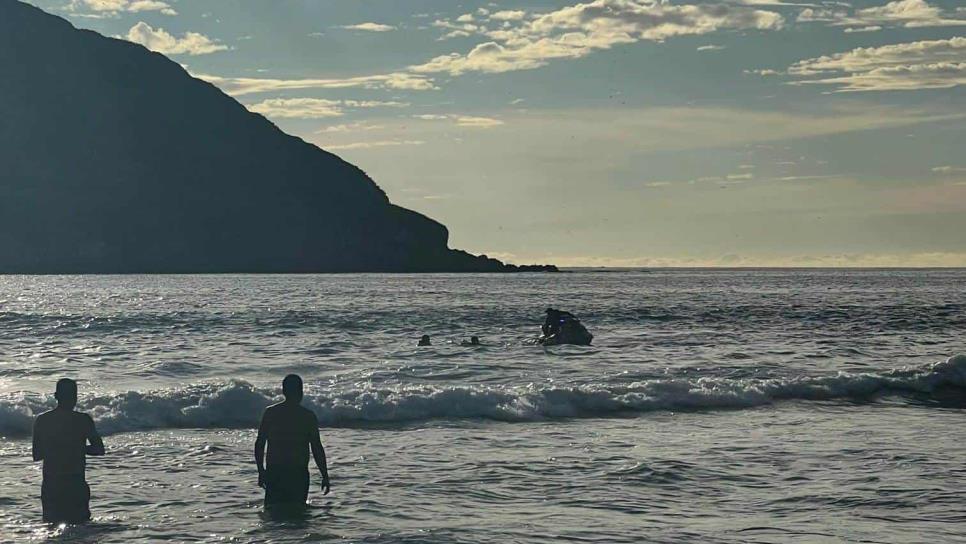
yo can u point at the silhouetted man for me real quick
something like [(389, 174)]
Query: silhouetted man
[(63, 439), (290, 430), (555, 319)]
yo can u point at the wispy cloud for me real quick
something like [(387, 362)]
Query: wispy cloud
[(949, 169), (522, 41), (370, 27), (764, 72), (508, 15), (315, 108), (578, 30), (349, 127), (467, 121), (856, 260), (112, 8), (899, 13), (568, 134), (932, 64), (739, 177), (240, 86), (157, 39), (369, 145)]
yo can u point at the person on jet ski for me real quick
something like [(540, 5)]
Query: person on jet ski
[(555, 318)]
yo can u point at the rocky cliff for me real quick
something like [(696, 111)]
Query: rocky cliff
[(113, 159)]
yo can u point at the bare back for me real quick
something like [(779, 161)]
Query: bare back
[(60, 439), (289, 430)]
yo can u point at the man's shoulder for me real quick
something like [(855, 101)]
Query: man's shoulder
[(44, 417), (288, 411), (275, 410), (63, 417), (275, 407), (309, 415)]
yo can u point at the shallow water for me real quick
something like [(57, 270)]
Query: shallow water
[(714, 406)]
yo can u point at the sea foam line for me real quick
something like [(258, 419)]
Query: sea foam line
[(238, 404)]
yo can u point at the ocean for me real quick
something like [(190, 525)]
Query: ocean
[(714, 405)]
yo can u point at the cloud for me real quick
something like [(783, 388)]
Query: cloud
[(728, 179), (508, 15), (314, 108), (848, 260), (350, 127), (932, 64), (711, 48), (907, 13), (899, 13), (240, 86), (466, 121), (477, 122), (522, 42), (874, 28), (111, 8), (192, 43), (804, 178), (774, 3), (764, 72), (578, 30), (563, 137), (949, 169), (817, 15), (461, 28), (370, 27), (369, 145)]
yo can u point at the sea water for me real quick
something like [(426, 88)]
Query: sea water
[(714, 405)]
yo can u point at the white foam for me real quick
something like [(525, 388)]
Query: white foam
[(238, 404)]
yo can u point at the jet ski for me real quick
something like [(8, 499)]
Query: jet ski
[(564, 328)]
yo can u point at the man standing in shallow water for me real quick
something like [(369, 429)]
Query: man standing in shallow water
[(290, 431), (63, 439)]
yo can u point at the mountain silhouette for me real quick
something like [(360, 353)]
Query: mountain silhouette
[(113, 159)]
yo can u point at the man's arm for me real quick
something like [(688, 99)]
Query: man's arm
[(96, 446), (38, 447), (260, 449), (318, 452)]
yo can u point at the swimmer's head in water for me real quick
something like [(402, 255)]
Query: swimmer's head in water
[(292, 388), (66, 393), (474, 340)]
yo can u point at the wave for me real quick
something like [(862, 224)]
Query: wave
[(39, 324), (866, 316), (238, 404), (884, 316)]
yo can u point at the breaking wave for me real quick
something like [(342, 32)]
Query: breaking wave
[(238, 404)]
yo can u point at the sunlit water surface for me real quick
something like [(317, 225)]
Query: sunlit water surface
[(714, 406)]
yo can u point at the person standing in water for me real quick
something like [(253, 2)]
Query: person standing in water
[(290, 430), (63, 439)]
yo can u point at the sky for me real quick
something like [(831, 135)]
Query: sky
[(612, 132)]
